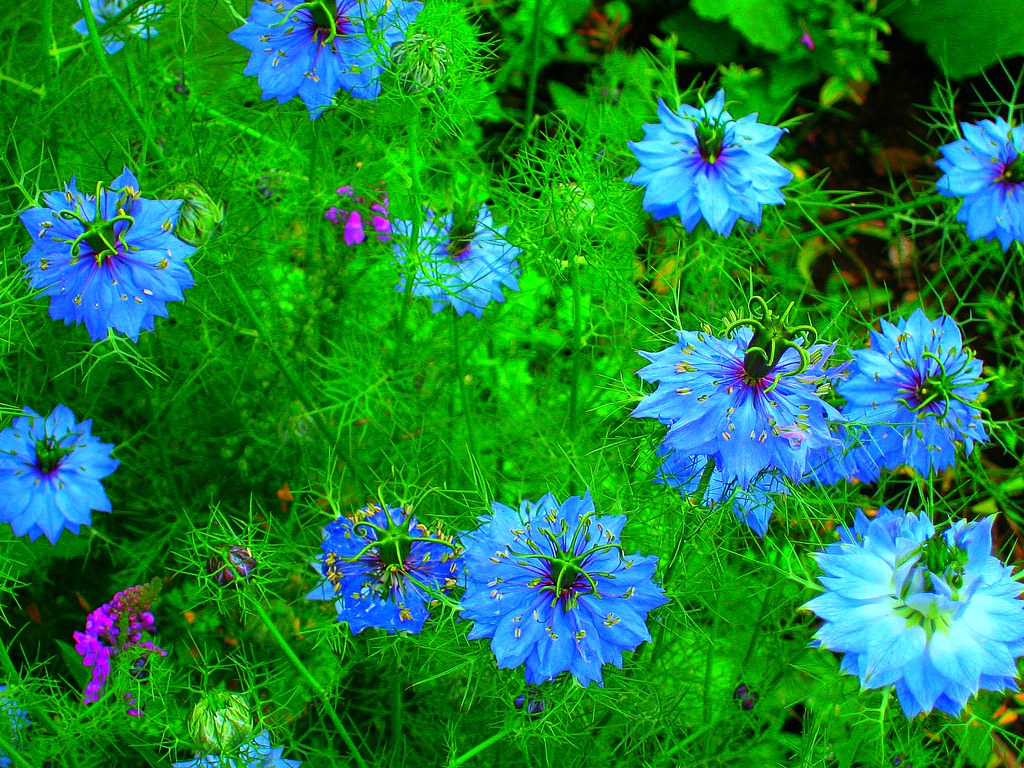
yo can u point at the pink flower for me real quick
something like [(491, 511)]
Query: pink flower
[(354, 228)]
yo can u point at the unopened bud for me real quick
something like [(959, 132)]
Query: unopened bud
[(221, 721), (240, 562), (422, 63), (200, 214)]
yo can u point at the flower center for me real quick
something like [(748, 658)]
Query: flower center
[(460, 237), (710, 137), (773, 335), (49, 453), (1013, 173), (931, 588), (327, 22), (100, 234)]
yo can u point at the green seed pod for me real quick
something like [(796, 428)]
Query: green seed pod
[(221, 721), (422, 63), (200, 214)]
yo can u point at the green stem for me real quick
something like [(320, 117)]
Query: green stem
[(290, 376), (709, 664), (101, 57), (531, 84), (577, 362), (467, 412), (488, 742), (313, 682), (397, 714)]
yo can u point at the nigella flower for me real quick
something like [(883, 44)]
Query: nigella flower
[(124, 624), (384, 569), (550, 585), (986, 169), (253, 754), (115, 24), (50, 473), (465, 267), (355, 229), (753, 505), (702, 163), (936, 615), (314, 49), (13, 723), (751, 400), (108, 260), (912, 397)]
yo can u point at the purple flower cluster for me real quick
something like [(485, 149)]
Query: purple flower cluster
[(123, 624), (354, 227)]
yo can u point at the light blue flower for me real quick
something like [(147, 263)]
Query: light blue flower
[(114, 26), (466, 271), (704, 164), (253, 754), (911, 398), (13, 722), (550, 585), (986, 169), (935, 615)]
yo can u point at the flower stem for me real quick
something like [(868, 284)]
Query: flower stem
[(488, 742), (467, 412), (531, 83), (291, 377), (397, 713), (577, 362), (309, 678), (101, 56)]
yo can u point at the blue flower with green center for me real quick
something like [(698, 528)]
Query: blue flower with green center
[(116, 23), (911, 398), (50, 473), (935, 615), (552, 588), (253, 754), (986, 169), (13, 723), (109, 260), (751, 400), (315, 49), (462, 266), (383, 569), (704, 164)]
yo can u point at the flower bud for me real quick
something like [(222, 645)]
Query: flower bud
[(241, 562), (422, 63), (221, 722), (200, 214)]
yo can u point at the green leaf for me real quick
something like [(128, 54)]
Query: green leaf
[(963, 38), (710, 42), (769, 26)]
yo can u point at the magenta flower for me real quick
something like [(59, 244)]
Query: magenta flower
[(355, 228)]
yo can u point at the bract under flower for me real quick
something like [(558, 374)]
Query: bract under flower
[(935, 615), (552, 588), (50, 473)]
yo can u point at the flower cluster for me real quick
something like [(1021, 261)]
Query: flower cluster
[(383, 569), (355, 229), (315, 49), (704, 164), (911, 398), (986, 169), (551, 587), (253, 754), (50, 473), (123, 624), (115, 26), (13, 722), (935, 615), (749, 401), (462, 267), (109, 260)]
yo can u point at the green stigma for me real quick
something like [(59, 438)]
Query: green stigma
[(773, 335)]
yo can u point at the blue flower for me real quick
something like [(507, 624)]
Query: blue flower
[(753, 505), (702, 163), (138, 22), (16, 722), (111, 265), (465, 271), (384, 569), (911, 398), (50, 473), (936, 615), (750, 401), (315, 49), (986, 169), (551, 587), (254, 754)]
